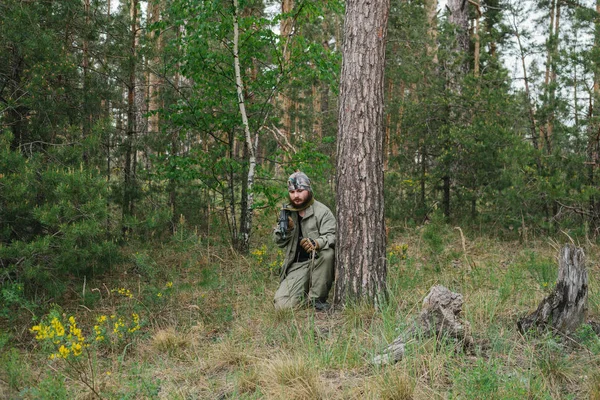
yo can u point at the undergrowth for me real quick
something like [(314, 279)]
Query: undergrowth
[(203, 326)]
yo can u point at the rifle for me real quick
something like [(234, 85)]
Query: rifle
[(283, 221)]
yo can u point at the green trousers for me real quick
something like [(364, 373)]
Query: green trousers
[(307, 278)]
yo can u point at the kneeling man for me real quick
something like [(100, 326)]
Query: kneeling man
[(309, 240)]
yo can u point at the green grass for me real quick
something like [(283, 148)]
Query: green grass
[(214, 333)]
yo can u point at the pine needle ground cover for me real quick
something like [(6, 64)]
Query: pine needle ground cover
[(191, 319)]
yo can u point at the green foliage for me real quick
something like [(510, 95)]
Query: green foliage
[(586, 336), (14, 371), (54, 224), (543, 271), (483, 380)]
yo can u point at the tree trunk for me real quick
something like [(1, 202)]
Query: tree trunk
[(87, 109), (565, 308), (550, 74), (593, 145), (476, 38), (246, 218), (431, 11), (457, 68), (360, 249), (530, 110), (129, 168), (154, 80), (285, 29)]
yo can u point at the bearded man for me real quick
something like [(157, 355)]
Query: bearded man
[(307, 272)]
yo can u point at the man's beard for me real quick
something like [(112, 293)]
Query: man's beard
[(305, 202)]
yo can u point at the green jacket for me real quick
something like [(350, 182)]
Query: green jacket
[(318, 224)]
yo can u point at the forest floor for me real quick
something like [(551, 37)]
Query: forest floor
[(190, 319)]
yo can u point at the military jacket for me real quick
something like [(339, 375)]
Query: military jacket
[(318, 223)]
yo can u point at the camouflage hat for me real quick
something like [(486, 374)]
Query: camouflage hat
[(299, 180)]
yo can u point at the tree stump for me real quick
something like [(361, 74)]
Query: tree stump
[(440, 316), (565, 308)]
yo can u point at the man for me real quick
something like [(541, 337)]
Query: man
[(307, 272)]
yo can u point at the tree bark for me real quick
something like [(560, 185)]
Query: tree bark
[(129, 168), (431, 11), (440, 316), (154, 79), (566, 307), (246, 218), (360, 249), (285, 29), (593, 145)]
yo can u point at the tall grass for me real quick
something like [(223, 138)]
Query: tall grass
[(208, 329)]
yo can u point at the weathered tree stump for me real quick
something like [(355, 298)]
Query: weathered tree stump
[(564, 310), (440, 316)]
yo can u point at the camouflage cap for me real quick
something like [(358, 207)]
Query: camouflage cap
[(299, 180)]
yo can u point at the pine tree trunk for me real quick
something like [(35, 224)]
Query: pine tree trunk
[(360, 249), (154, 80), (593, 146), (285, 29), (129, 169), (431, 11)]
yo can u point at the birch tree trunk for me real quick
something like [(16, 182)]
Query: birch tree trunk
[(243, 244), (360, 249)]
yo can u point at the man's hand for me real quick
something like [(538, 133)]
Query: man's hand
[(309, 245), (290, 224)]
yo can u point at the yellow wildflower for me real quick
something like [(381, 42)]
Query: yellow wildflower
[(63, 351), (76, 348)]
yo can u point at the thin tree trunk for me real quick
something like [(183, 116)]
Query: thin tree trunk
[(477, 50), (129, 169), (593, 146), (456, 70), (285, 29), (87, 112), (522, 58), (174, 151), (550, 74), (154, 80), (361, 268), (431, 10), (246, 228)]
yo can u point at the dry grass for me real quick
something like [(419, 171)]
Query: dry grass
[(391, 384), (291, 377), (218, 336)]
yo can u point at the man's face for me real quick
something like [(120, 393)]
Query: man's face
[(299, 196)]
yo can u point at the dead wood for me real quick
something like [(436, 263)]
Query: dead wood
[(439, 317), (564, 310)]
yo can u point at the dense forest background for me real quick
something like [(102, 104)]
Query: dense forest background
[(120, 121)]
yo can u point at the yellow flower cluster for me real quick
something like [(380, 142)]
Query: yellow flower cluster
[(399, 250), (118, 326), (55, 333), (136, 323), (123, 292), (259, 253)]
